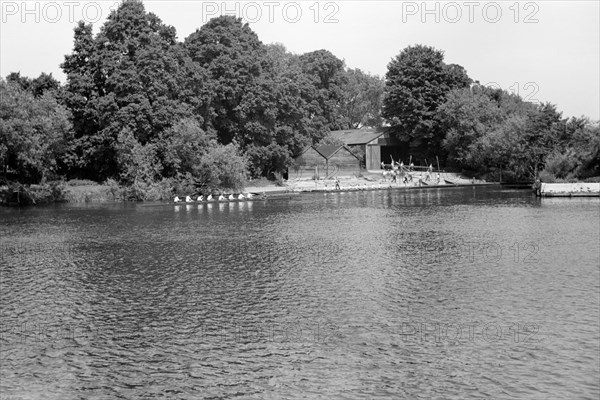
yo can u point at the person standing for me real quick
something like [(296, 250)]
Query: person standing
[(537, 187)]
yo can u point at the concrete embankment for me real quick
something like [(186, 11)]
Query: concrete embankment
[(570, 189)]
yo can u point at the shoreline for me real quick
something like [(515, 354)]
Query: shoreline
[(102, 193), (99, 194), (369, 181), (330, 189)]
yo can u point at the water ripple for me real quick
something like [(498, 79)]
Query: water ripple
[(457, 293)]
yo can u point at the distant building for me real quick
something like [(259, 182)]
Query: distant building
[(324, 162), (376, 143)]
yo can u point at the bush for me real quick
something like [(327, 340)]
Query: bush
[(222, 167), (548, 177), (47, 192), (116, 191), (57, 191), (186, 185), (278, 178), (497, 175), (81, 182), (561, 165), (150, 191), (592, 179)]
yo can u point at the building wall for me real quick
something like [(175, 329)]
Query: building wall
[(373, 157), (310, 157), (343, 157), (342, 163), (306, 165)]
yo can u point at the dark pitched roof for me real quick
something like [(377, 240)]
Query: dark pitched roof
[(327, 150), (357, 136), (307, 148)]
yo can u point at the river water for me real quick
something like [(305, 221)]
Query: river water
[(454, 293)]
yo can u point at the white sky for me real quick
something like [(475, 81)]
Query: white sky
[(545, 50)]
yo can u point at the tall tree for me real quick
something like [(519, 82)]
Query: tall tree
[(296, 102), (80, 96), (417, 83), (466, 116), (277, 124), (326, 74), (362, 99), (233, 58), (126, 79), (541, 135)]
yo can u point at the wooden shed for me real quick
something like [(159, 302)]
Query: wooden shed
[(377, 144), (324, 162)]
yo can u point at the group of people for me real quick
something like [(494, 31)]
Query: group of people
[(397, 168), (395, 165), (201, 198), (429, 172)]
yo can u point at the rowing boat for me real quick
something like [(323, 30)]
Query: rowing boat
[(256, 197), (217, 201)]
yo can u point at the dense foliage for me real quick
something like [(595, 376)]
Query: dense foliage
[(490, 131), (417, 83), (141, 107), (437, 110), (155, 113), (34, 134)]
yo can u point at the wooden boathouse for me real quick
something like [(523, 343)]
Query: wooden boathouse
[(325, 161), (377, 144)]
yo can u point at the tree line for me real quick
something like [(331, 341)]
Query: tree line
[(436, 109), (143, 108), (140, 106)]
